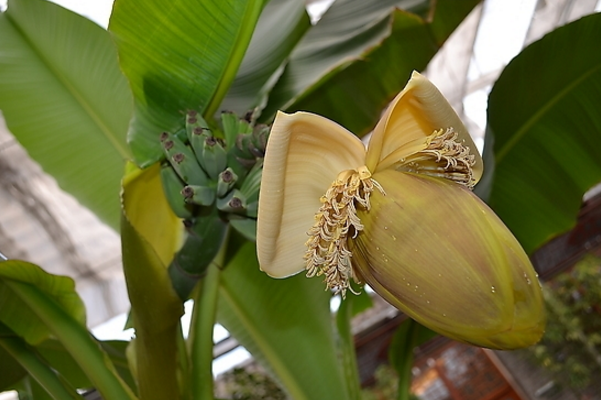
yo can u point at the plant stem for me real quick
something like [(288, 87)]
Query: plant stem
[(38, 369), (348, 354), (201, 329), (184, 364), (405, 368)]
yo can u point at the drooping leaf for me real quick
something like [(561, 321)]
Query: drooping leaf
[(64, 98), (10, 370), (446, 15), (286, 324), (38, 369), (342, 35), (61, 361), (149, 232), (178, 56), (59, 358), (352, 63), (544, 114), (29, 389), (364, 95), (17, 278), (35, 304), (281, 26)]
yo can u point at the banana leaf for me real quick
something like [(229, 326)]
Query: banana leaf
[(66, 101), (543, 111)]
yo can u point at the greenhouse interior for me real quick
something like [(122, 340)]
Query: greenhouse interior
[(201, 199)]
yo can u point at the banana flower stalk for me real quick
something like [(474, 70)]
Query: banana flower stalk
[(399, 216)]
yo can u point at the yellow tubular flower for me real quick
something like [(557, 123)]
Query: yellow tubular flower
[(400, 217)]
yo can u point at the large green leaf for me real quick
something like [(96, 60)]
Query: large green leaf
[(37, 368), (281, 26), (17, 278), (343, 34), (356, 93), (10, 370), (29, 389), (361, 54), (286, 324), (66, 101), (35, 304), (59, 358), (544, 113), (178, 55)]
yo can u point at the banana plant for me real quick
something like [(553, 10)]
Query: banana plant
[(160, 126)]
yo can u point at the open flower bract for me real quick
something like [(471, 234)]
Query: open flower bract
[(399, 215)]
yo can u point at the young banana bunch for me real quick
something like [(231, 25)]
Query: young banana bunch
[(211, 179)]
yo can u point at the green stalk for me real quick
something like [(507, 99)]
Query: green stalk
[(184, 365), (42, 373), (156, 311), (347, 349), (201, 329), (404, 370), (156, 356), (77, 341), (247, 27)]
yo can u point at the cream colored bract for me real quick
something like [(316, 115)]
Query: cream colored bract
[(306, 153), (388, 215)]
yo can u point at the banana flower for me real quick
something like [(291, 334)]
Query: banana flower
[(399, 216)]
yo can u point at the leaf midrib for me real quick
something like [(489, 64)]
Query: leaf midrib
[(520, 133), (241, 42), (71, 89)]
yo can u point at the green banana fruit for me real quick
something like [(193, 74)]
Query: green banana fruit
[(227, 180), (183, 160), (200, 195), (172, 187), (234, 202)]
